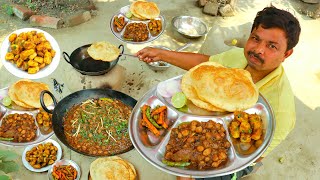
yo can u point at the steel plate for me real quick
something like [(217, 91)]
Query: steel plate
[(4, 111), (122, 12), (153, 148)]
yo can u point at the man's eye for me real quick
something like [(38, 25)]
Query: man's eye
[(255, 38), (272, 46)]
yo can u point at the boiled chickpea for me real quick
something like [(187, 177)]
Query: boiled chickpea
[(222, 155), (199, 129), (185, 132), (207, 152), (215, 157), (200, 148)]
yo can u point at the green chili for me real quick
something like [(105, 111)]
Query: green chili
[(6, 139), (153, 122), (172, 163)]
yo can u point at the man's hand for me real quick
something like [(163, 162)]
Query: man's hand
[(149, 54)]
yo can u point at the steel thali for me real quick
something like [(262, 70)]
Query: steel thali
[(153, 148), (4, 111), (120, 35)]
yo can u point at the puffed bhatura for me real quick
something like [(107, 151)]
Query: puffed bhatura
[(26, 93), (145, 10), (112, 168), (103, 51), (229, 89)]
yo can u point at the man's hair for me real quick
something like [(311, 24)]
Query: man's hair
[(271, 17)]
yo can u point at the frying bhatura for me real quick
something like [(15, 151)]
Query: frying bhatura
[(103, 51)]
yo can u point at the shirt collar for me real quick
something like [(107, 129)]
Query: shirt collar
[(270, 77)]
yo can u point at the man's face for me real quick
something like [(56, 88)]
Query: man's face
[(265, 49)]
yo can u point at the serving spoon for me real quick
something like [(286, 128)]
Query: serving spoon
[(179, 49)]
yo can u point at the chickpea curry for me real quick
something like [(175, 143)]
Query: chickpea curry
[(136, 32), (98, 127), (18, 128), (197, 145)]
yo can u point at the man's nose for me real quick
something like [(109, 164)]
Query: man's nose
[(260, 48)]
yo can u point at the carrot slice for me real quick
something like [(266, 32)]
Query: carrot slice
[(158, 110), (160, 120), (153, 129)]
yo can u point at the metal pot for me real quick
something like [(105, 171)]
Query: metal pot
[(75, 98), (85, 64)]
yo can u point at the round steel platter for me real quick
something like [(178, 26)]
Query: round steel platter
[(122, 13), (153, 148), (5, 111)]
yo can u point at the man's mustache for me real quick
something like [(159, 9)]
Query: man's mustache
[(256, 56)]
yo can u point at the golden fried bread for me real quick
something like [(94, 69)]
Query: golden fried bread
[(145, 10), (133, 11), (112, 168), (14, 98), (26, 93), (226, 88), (103, 51), (191, 94)]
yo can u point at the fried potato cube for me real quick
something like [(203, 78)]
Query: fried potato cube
[(38, 59), (32, 56), (33, 32), (23, 36), (40, 53), (245, 127), (244, 137), (9, 56), (40, 34), (24, 66), (255, 121), (241, 116), (53, 53), (37, 166), (47, 58), (47, 45), (234, 129), (36, 40), (51, 162), (256, 135), (15, 49), (40, 47), (30, 35), (28, 45), (33, 70), (33, 63), (16, 57), (42, 65), (12, 37), (26, 53), (19, 63)]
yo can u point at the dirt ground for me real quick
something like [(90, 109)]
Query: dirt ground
[(299, 153), (54, 8)]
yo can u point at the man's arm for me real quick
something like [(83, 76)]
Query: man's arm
[(184, 60)]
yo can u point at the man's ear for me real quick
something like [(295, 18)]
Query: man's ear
[(288, 53)]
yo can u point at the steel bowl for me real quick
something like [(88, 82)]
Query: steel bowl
[(65, 162), (189, 26), (159, 65)]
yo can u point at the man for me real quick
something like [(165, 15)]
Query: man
[(273, 36)]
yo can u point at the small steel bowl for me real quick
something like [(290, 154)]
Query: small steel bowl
[(189, 26), (159, 65), (64, 162)]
